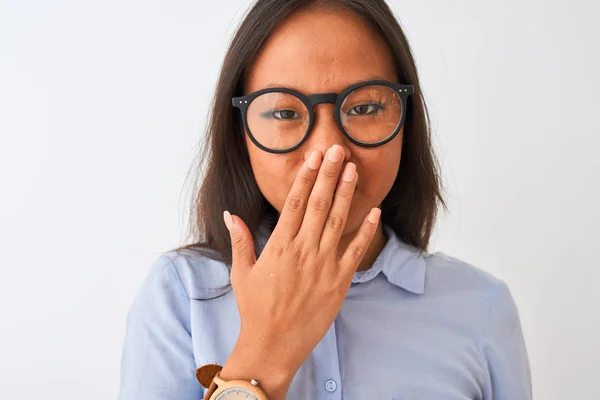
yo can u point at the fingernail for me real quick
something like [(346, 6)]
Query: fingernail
[(349, 173), (335, 153), (228, 220), (313, 161), (374, 215)]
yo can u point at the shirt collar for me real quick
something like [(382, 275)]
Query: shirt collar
[(402, 264)]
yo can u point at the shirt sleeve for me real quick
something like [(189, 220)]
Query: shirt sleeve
[(503, 346), (157, 358)]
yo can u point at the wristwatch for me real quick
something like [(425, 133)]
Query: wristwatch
[(218, 389)]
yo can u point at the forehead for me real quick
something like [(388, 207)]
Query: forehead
[(320, 50)]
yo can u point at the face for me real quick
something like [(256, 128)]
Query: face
[(324, 51)]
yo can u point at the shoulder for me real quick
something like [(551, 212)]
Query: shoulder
[(200, 276), (468, 291), (450, 275), (472, 300)]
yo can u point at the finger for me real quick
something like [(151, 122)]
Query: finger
[(292, 214), (321, 197), (242, 245), (357, 248), (338, 215)]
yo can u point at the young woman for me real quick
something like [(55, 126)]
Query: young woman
[(309, 272)]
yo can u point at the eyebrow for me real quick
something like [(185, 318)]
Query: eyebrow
[(281, 85)]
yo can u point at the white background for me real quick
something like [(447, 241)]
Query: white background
[(101, 107)]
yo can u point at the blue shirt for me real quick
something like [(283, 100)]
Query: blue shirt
[(415, 326)]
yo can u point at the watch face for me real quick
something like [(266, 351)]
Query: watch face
[(236, 394)]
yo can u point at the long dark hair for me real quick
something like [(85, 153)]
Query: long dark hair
[(410, 208)]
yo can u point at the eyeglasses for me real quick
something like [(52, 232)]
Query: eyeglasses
[(369, 113)]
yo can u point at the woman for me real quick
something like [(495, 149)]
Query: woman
[(318, 284)]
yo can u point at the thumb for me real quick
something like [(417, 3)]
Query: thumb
[(242, 245)]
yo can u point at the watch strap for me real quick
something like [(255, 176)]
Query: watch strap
[(206, 373), (209, 377)]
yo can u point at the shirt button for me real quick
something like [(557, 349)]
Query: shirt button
[(330, 385)]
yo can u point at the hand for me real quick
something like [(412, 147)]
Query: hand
[(290, 296)]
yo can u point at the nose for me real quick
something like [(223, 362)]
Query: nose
[(325, 133)]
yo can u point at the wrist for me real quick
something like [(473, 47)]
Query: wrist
[(276, 356), (249, 363)]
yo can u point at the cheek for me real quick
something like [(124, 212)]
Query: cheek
[(378, 171), (274, 176), (378, 177)]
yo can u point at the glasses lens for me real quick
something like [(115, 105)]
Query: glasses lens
[(372, 113), (277, 120)]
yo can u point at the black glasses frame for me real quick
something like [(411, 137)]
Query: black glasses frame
[(403, 92)]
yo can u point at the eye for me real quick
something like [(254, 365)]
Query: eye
[(365, 109), (285, 114), (281, 115)]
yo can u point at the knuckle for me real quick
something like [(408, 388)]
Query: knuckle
[(344, 194), (356, 252), (238, 244), (277, 248), (328, 173), (295, 203), (319, 204), (335, 221), (300, 254), (365, 237), (305, 179)]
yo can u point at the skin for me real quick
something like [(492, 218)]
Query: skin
[(320, 51)]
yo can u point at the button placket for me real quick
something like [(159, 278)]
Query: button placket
[(327, 367)]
